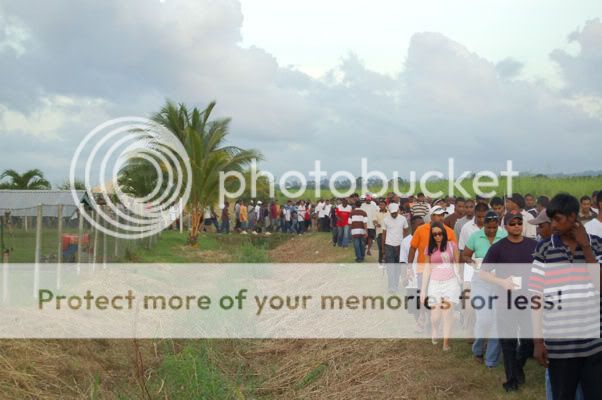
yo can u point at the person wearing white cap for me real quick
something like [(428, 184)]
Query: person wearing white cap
[(395, 227), (594, 227)]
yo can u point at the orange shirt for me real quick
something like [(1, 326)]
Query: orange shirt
[(420, 242)]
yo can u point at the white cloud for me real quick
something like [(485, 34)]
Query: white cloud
[(583, 71), (113, 58)]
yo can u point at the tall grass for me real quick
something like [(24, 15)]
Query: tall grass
[(537, 185)]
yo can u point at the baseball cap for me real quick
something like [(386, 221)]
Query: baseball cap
[(393, 207), (512, 215), (259, 202), (491, 216), (438, 210), (542, 218)]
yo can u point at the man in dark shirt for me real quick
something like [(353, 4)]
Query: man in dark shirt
[(458, 213), (513, 252)]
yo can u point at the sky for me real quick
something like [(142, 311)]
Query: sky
[(404, 84)]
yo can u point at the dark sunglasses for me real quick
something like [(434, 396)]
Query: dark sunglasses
[(520, 223), (437, 233)]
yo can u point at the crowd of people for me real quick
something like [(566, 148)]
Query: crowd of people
[(448, 248)]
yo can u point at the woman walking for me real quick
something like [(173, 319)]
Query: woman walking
[(440, 278)]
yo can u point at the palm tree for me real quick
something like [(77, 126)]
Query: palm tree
[(209, 155), (137, 178), (78, 185), (29, 180)]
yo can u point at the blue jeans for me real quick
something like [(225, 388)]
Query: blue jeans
[(485, 329), (578, 394), (359, 245), (343, 236), (225, 226)]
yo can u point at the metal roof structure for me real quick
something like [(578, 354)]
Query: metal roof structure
[(23, 203)]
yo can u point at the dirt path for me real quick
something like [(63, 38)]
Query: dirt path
[(370, 369), (314, 248)]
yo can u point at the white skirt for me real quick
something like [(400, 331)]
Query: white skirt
[(449, 290)]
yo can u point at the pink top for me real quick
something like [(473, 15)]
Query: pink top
[(442, 264)]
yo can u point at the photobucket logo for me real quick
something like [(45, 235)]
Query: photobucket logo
[(125, 143), (482, 183)]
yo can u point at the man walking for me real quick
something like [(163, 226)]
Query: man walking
[(515, 251), (358, 219), (557, 266), (394, 226)]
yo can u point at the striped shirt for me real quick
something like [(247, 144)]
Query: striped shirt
[(358, 219), (420, 209), (561, 275)]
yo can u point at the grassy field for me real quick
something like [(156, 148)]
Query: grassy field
[(250, 369), (536, 185), (283, 369)]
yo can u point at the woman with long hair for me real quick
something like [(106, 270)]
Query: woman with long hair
[(440, 286)]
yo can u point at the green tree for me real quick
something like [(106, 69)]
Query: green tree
[(29, 180), (138, 178), (66, 185), (205, 143)]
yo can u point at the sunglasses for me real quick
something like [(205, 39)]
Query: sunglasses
[(437, 233), (516, 223)]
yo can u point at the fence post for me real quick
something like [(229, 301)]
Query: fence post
[(95, 244), (36, 271), (59, 255), (116, 239), (104, 245), (4, 267), (26, 220), (181, 220), (80, 232)]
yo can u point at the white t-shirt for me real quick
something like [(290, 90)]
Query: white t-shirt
[(529, 230), (594, 227), (287, 214), (320, 209), (327, 209), (468, 229), (394, 228), (404, 251), (370, 212), (301, 213)]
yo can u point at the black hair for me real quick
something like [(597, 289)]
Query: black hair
[(358, 203), (415, 218), (469, 201), (420, 194), (529, 195), (481, 207), (496, 201), (518, 199), (562, 203), (599, 198), (543, 201), (584, 198), (432, 243), (459, 200)]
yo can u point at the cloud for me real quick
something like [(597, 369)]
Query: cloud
[(509, 68), (583, 72), (66, 72)]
